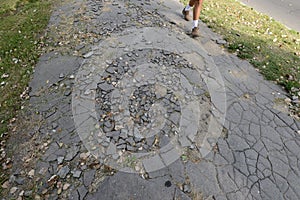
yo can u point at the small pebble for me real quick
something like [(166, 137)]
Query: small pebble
[(13, 190), (66, 186), (61, 75)]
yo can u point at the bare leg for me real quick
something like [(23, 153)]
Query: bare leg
[(197, 4)]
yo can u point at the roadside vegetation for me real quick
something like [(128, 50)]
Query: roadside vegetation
[(22, 23), (268, 45), (21, 26)]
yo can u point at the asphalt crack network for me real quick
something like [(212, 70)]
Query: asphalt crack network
[(133, 108)]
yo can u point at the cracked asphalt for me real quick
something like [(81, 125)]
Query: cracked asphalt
[(125, 105)]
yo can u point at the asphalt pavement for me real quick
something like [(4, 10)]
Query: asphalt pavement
[(131, 107), (285, 11)]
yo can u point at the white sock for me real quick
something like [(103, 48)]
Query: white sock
[(195, 23), (187, 8)]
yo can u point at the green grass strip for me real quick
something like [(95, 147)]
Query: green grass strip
[(266, 44), (20, 32), (21, 25)]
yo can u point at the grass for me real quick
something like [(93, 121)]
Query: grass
[(8, 5), (21, 25), (268, 45), (130, 161), (20, 31)]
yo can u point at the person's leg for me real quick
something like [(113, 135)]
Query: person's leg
[(186, 10), (196, 14), (197, 4), (192, 3)]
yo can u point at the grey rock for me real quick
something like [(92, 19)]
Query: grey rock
[(184, 141), (113, 134), (187, 188), (210, 197), (77, 48), (60, 160), (50, 154), (174, 117), (150, 140), (28, 193), (296, 101), (115, 156), (20, 180), (192, 75), (130, 148), (54, 125), (111, 149), (121, 141), (123, 134), (198, 91), (121, 146), (110, 70), (170, 156), (62, 173), (89, 54), (88, 177), (71, 153), (295, 98), (13, 190), (76, 173), (237, 143), (221, 41), (12, 179), (137, 135), (153, 164), (130, 140), (82, 191), (106, 87), (68, 92), (105, 144), (74, 195), (164, 140)]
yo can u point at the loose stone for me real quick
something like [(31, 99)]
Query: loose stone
[(89, 54), (61, 75), (28, 193), (76, 173), (187, 188), (66, 186), (62, 173), (13, 190), (5, 185), (21, 193), (60, 160)]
